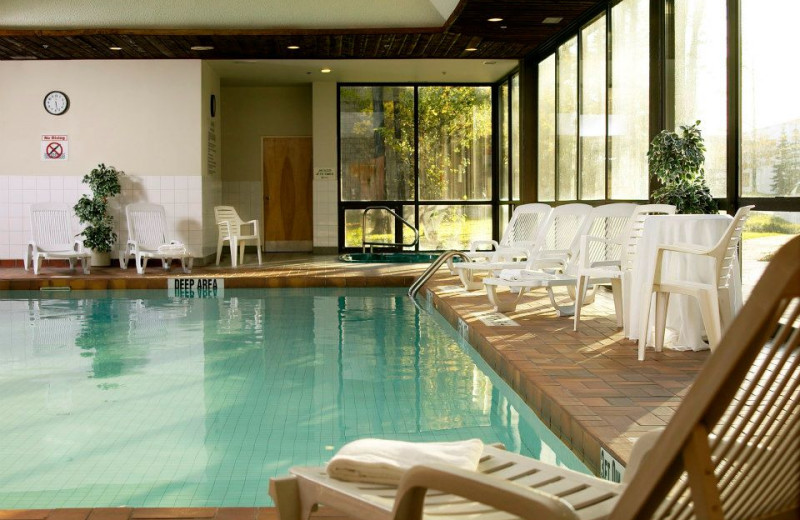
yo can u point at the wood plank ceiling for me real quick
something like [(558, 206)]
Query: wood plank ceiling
[(520, 32)]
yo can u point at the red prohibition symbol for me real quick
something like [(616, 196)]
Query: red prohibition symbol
[(54, 150)]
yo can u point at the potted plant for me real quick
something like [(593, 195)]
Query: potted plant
[(676, 159), (99, 236)]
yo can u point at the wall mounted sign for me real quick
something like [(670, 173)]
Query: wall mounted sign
[(55, 148), (325, 174)]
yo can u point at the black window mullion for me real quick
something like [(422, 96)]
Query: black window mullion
[(416, 160)]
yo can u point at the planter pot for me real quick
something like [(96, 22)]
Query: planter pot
[(100, 259)]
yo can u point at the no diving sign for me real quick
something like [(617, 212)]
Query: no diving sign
[(55, 147)]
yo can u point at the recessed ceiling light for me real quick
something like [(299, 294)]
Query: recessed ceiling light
[(494, 20), (293, 47), (202, 47), (471, 49), (553, 19), (504, 27), (325, 71), (115, 48)]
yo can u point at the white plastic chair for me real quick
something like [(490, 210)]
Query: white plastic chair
[(713, 298), (549, 249), (596, 253), (230, 229), (561, 265), (52, 237), (147, 238)]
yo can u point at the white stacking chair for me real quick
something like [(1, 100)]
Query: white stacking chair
[(519, 236), (559, 267), (147, 238), (595, 264), (550, 248), (729, 452), (714, 298), (52, 237), (230, 229)]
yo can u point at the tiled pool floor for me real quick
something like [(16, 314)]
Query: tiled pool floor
[(587, 386)]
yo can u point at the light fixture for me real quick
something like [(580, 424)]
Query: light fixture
[(489, 62), (553, 19), (293, 47), (494, 20), (202, 47), (115, 48), (24, 58), (325, 70), (471, 49)]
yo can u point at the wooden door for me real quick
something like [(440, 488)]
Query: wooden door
[(287, 193)]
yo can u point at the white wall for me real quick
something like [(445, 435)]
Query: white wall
[(211, 155), (139, 116), (250, 114), (325, 156)]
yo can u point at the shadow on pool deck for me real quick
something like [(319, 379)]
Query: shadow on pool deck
[(586, 386)]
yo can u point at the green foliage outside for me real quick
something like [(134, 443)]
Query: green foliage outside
[(676, 159), (770, 224), (786, 180), (99, 233)]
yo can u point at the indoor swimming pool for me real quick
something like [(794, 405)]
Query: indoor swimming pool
[(143, 399)]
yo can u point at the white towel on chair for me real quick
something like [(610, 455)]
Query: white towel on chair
[(383, 461), (173, 248)]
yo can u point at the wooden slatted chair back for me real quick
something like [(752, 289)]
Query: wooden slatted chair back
[(732, 450)]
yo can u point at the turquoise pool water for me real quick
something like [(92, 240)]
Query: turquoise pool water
[(140, 399)]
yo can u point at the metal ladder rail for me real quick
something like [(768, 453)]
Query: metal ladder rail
[(425, 276), (365, 243)]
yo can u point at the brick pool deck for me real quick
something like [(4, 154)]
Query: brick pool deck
[(586, 386)]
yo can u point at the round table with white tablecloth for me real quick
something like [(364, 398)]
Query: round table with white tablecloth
[(684, 324)]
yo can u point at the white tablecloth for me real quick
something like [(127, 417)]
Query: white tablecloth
[(684, 324)]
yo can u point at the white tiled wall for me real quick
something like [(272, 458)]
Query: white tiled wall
[(246, 197), (181, 196), (325, 214)]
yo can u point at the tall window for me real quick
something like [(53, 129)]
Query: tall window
[(700, 81), (567, 122), (770, 111), (593, 111), (592, 132), (448, 165), (629, 100), (547, 129)]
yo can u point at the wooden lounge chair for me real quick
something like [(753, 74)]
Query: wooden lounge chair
[(732, 450), (52, 237)]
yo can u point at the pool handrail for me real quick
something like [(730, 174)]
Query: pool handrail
[(365, 243), (436, 264)]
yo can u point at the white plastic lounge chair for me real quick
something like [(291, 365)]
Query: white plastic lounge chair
[(230, 229), (714, 298), (52, 237), (147, 238), (518, 238), (549, 249), (606, 222), (730, 451), (593, 251)]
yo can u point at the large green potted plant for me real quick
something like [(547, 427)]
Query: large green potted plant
[(98, 235), (675, 160)]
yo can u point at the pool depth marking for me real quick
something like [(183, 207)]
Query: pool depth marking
[(196, 287)]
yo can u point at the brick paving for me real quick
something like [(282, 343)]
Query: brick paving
[(586, 386)]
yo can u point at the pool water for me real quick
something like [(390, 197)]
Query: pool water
[(144, 400)]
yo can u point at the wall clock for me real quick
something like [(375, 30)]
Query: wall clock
[(56, 102)]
